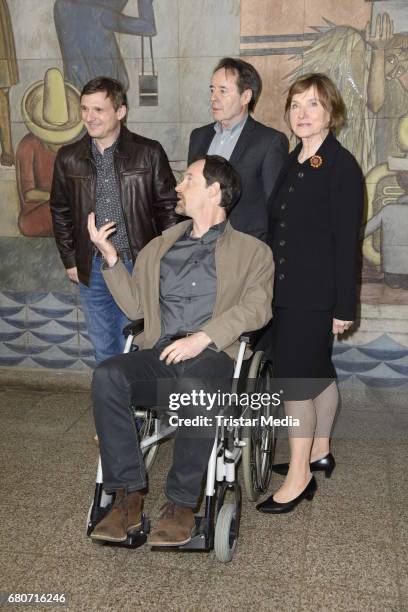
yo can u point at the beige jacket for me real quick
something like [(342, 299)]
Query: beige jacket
[(245, 271)]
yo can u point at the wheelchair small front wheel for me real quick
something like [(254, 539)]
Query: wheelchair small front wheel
[(226, 533)]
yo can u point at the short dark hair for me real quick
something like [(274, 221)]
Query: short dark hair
[(113, 89), (247, 77), (328, 94), (219, 170)]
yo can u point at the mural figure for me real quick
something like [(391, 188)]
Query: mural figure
[(8, 78), (86, 34), (387, 89), (388, 212), (51, 112), (370, 69)]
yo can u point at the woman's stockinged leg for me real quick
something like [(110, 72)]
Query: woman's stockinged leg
[(300, 443), (325, 405)]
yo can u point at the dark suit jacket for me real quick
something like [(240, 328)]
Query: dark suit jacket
[(316, 214), (258, 157)]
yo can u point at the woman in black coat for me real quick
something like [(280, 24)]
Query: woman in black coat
[(316, 213)]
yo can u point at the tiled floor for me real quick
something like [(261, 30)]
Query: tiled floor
[(345, 551)]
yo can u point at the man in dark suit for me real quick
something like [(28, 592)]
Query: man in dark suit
[(257, 152)]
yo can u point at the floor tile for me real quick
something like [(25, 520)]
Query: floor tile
[(142, 585), (368, 425), (398, 478), (346, 550), (344, 449), (14, 567), (324, 597), (342, 520), (83, 581), (357, 478), (402, 567), (272, 578), (363, 567)]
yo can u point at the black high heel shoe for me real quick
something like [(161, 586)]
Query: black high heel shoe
[(270, 506), (325, 464)]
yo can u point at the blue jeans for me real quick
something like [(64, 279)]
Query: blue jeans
[(104, 319)]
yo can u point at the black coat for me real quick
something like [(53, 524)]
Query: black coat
[(258, 157), (316, 213)]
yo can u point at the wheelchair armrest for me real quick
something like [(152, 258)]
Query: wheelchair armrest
[(133, 328), (251, 338)]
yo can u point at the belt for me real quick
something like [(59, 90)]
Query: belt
[(123, 255)]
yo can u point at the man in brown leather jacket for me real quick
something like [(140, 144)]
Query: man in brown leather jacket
[(122, 177)]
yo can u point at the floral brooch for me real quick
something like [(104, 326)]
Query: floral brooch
[(316, 161)]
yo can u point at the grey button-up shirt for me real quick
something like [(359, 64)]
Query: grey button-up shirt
[(107, 205), (188, 283), (225, 139)]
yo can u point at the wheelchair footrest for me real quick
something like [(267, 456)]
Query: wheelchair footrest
[(201, 540)]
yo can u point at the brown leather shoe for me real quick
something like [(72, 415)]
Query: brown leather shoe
[(175, 526), (124, 517), (135, 507), (113, 527)]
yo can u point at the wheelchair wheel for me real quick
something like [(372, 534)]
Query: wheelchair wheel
[(147, 424), (226, 529), (258, 452)]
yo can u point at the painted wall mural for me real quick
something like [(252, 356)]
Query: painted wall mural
[(367, 57), (48, 50), (8, 78), (51, 112), (87, 37), (363, 46), (48, 54), (41, 323)]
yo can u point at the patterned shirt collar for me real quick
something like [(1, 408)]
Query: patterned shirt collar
[(109, 150)]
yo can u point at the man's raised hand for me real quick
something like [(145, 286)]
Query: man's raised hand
[(100, 239)]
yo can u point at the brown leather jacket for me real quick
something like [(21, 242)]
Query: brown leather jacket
[(146, 185)]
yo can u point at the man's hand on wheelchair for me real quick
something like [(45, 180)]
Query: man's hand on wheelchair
[(100, 238), (185, 348)]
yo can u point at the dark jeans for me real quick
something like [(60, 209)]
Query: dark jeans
[(134, 379), (104, 319)]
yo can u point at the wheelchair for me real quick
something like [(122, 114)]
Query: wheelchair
[(254, 447)]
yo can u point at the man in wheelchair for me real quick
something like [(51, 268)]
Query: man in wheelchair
[(206, 284)]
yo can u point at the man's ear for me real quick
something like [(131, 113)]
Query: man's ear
[(246, 96), (215, 189), (122, 110)]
